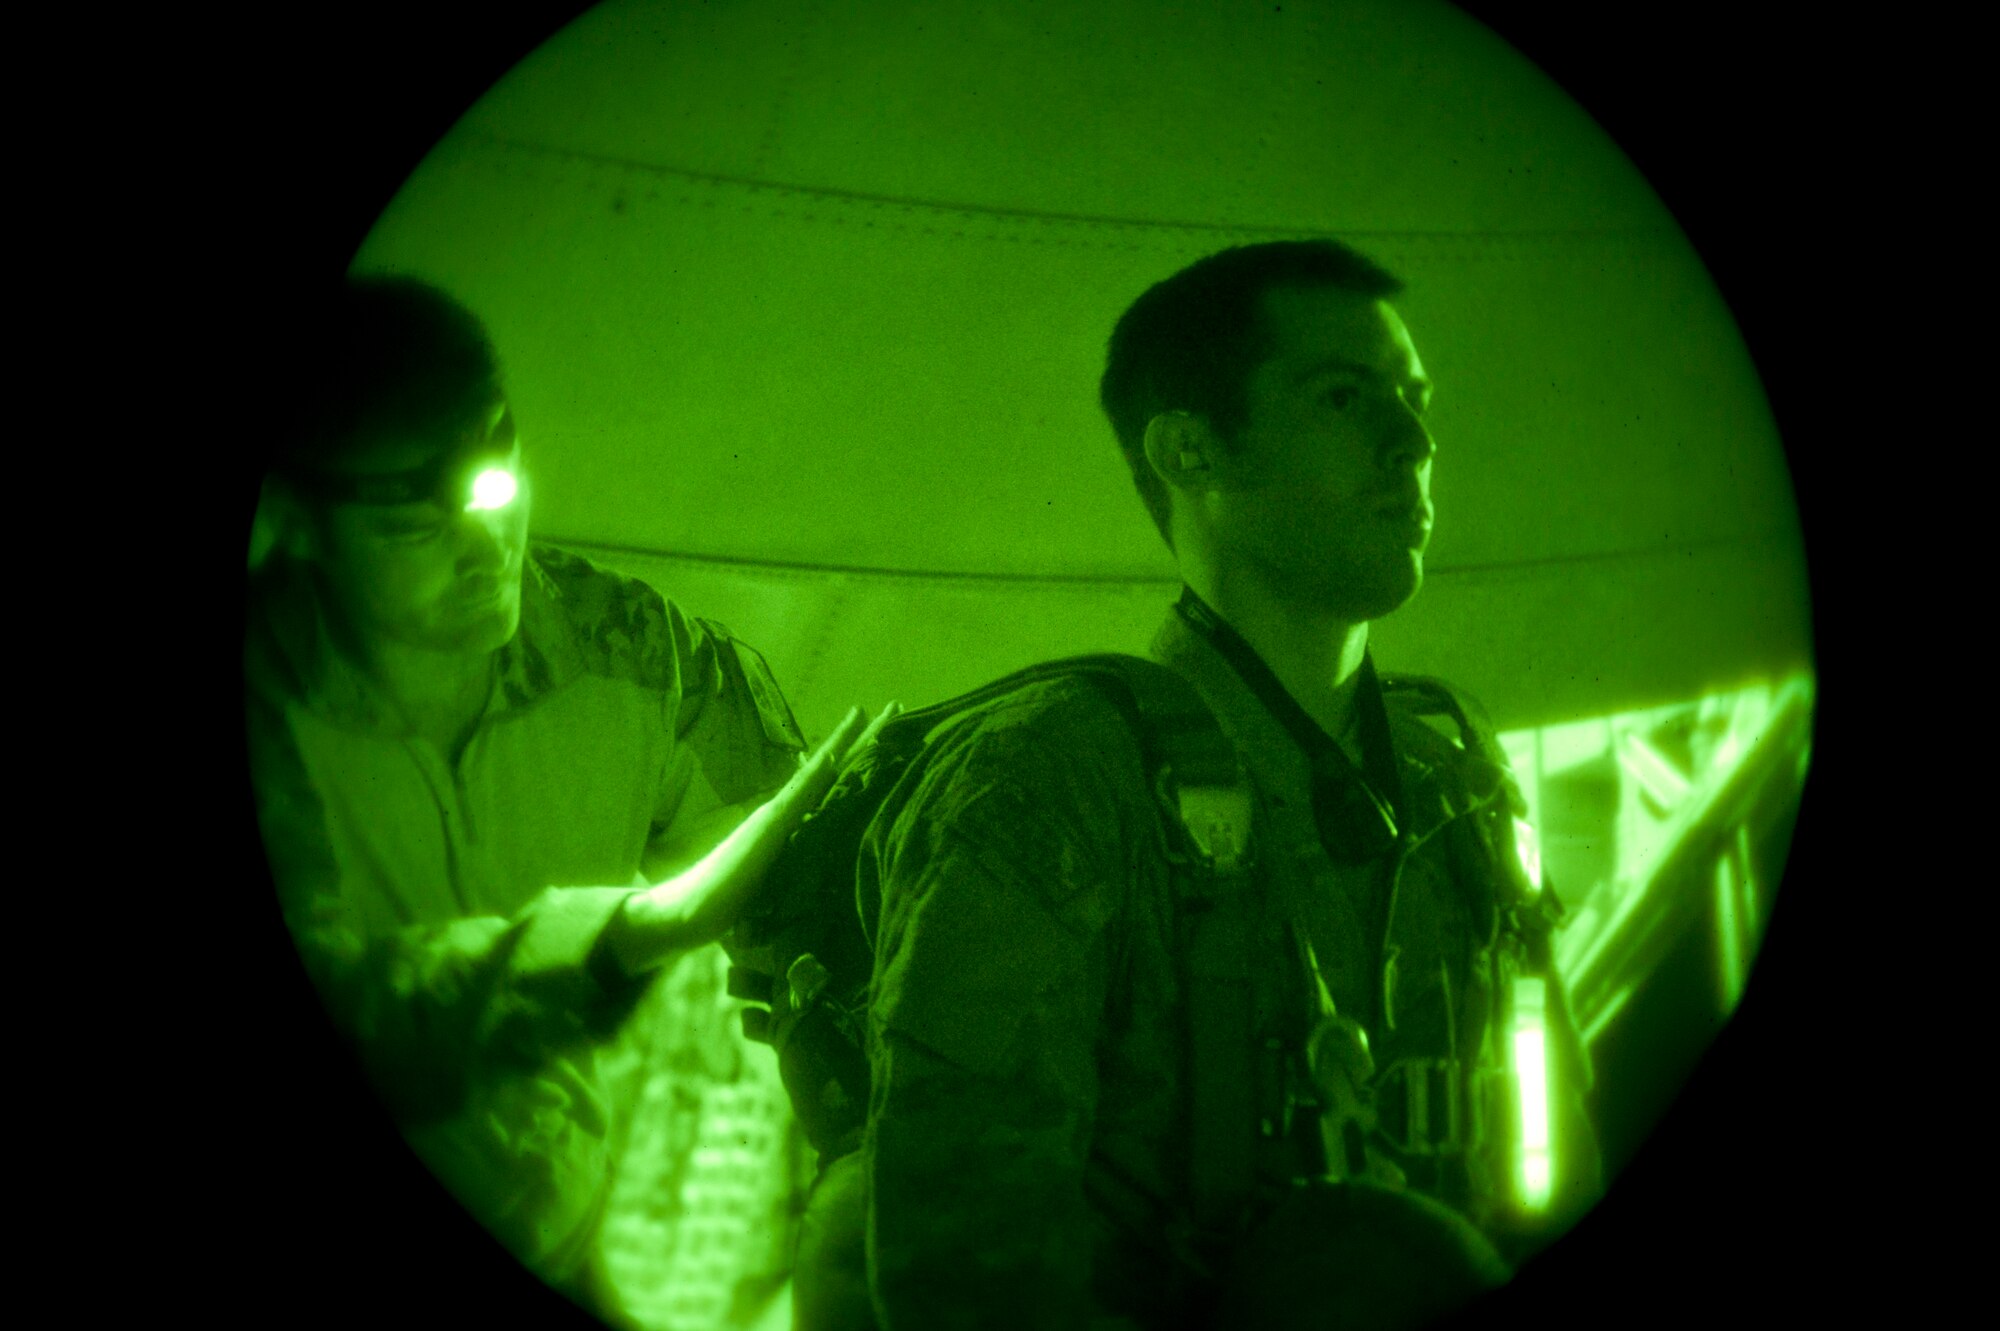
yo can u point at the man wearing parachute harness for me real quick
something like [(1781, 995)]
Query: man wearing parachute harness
[(1211, 992)]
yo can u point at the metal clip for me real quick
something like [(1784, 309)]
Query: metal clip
[(1341, 1062), (1217, 819), (806, 979), (1428, 1101)]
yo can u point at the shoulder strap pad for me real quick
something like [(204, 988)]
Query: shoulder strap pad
[(1426, 695), (1189, 760), (1530, 906), (1191, 764), (1195, 774)]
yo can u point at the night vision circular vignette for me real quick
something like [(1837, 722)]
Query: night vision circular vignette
[(799, 312)]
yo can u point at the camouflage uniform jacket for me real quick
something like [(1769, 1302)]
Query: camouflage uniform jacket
[(1028, 1136), (449, 914)]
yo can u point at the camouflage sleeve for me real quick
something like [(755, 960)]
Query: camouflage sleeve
[(735, 739), (426, 1007), (1000, 878)]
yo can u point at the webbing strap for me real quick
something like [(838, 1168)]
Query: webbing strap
[(1223, 1081), (1200, 784), (1421, 695)]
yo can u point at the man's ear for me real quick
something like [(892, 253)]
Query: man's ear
[(1181, 448), (280, 526)]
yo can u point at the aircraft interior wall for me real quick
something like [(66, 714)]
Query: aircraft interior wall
[(735, 336)]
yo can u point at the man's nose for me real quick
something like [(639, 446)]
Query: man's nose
[(1409, 442), (482, 544)]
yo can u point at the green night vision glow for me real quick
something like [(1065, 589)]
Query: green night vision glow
[(1530, 850), (1534, 1155), (1534, 1169), (465, 481), (494, 487)]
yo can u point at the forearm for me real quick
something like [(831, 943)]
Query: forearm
[(647, 933), (689, 839), (716, 864)]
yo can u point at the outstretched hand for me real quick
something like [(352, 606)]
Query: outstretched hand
[(697, 905)]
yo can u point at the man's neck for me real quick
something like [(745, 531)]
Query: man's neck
[(1315, 656), (427, 683), (436, 694)]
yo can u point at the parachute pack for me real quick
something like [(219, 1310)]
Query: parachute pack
[(803, 955), (805, 952)]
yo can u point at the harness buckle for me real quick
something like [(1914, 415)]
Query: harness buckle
[(1425, 1107), (1217, 819)]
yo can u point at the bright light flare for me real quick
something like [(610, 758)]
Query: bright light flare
[(1535, 1159), (493, 488), (1530, 851)]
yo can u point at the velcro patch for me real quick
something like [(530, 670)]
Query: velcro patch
[(773, 713)]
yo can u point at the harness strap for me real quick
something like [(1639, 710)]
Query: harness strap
[(1206, 806), (1222, 1076)]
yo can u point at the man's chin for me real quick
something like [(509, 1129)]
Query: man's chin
[(488, 632), (505, 627), (1362, 600)]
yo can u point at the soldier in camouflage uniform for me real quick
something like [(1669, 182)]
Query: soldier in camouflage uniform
[(483, 769), (1026, 1159)]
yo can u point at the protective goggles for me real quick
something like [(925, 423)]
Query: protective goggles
[(476, 475)]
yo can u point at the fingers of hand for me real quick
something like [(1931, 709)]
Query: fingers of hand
[(830, 751), (837, 746), (889, 712), (816, 777), (710, 893), (782, 814)]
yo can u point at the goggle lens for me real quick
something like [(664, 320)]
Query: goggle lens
[(494, 487)]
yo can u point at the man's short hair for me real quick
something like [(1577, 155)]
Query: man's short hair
[(394, 360), (1191, 342)]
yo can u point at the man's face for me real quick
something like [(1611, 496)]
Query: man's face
[(1330, 492), (421, 574)]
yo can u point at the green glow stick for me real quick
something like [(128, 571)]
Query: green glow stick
[(1535, 1155)]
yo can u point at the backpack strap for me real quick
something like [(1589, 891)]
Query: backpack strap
[(1530, 908), (1425, 695), (1206, 807)]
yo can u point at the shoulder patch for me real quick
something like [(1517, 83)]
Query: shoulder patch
[(774, 714)]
